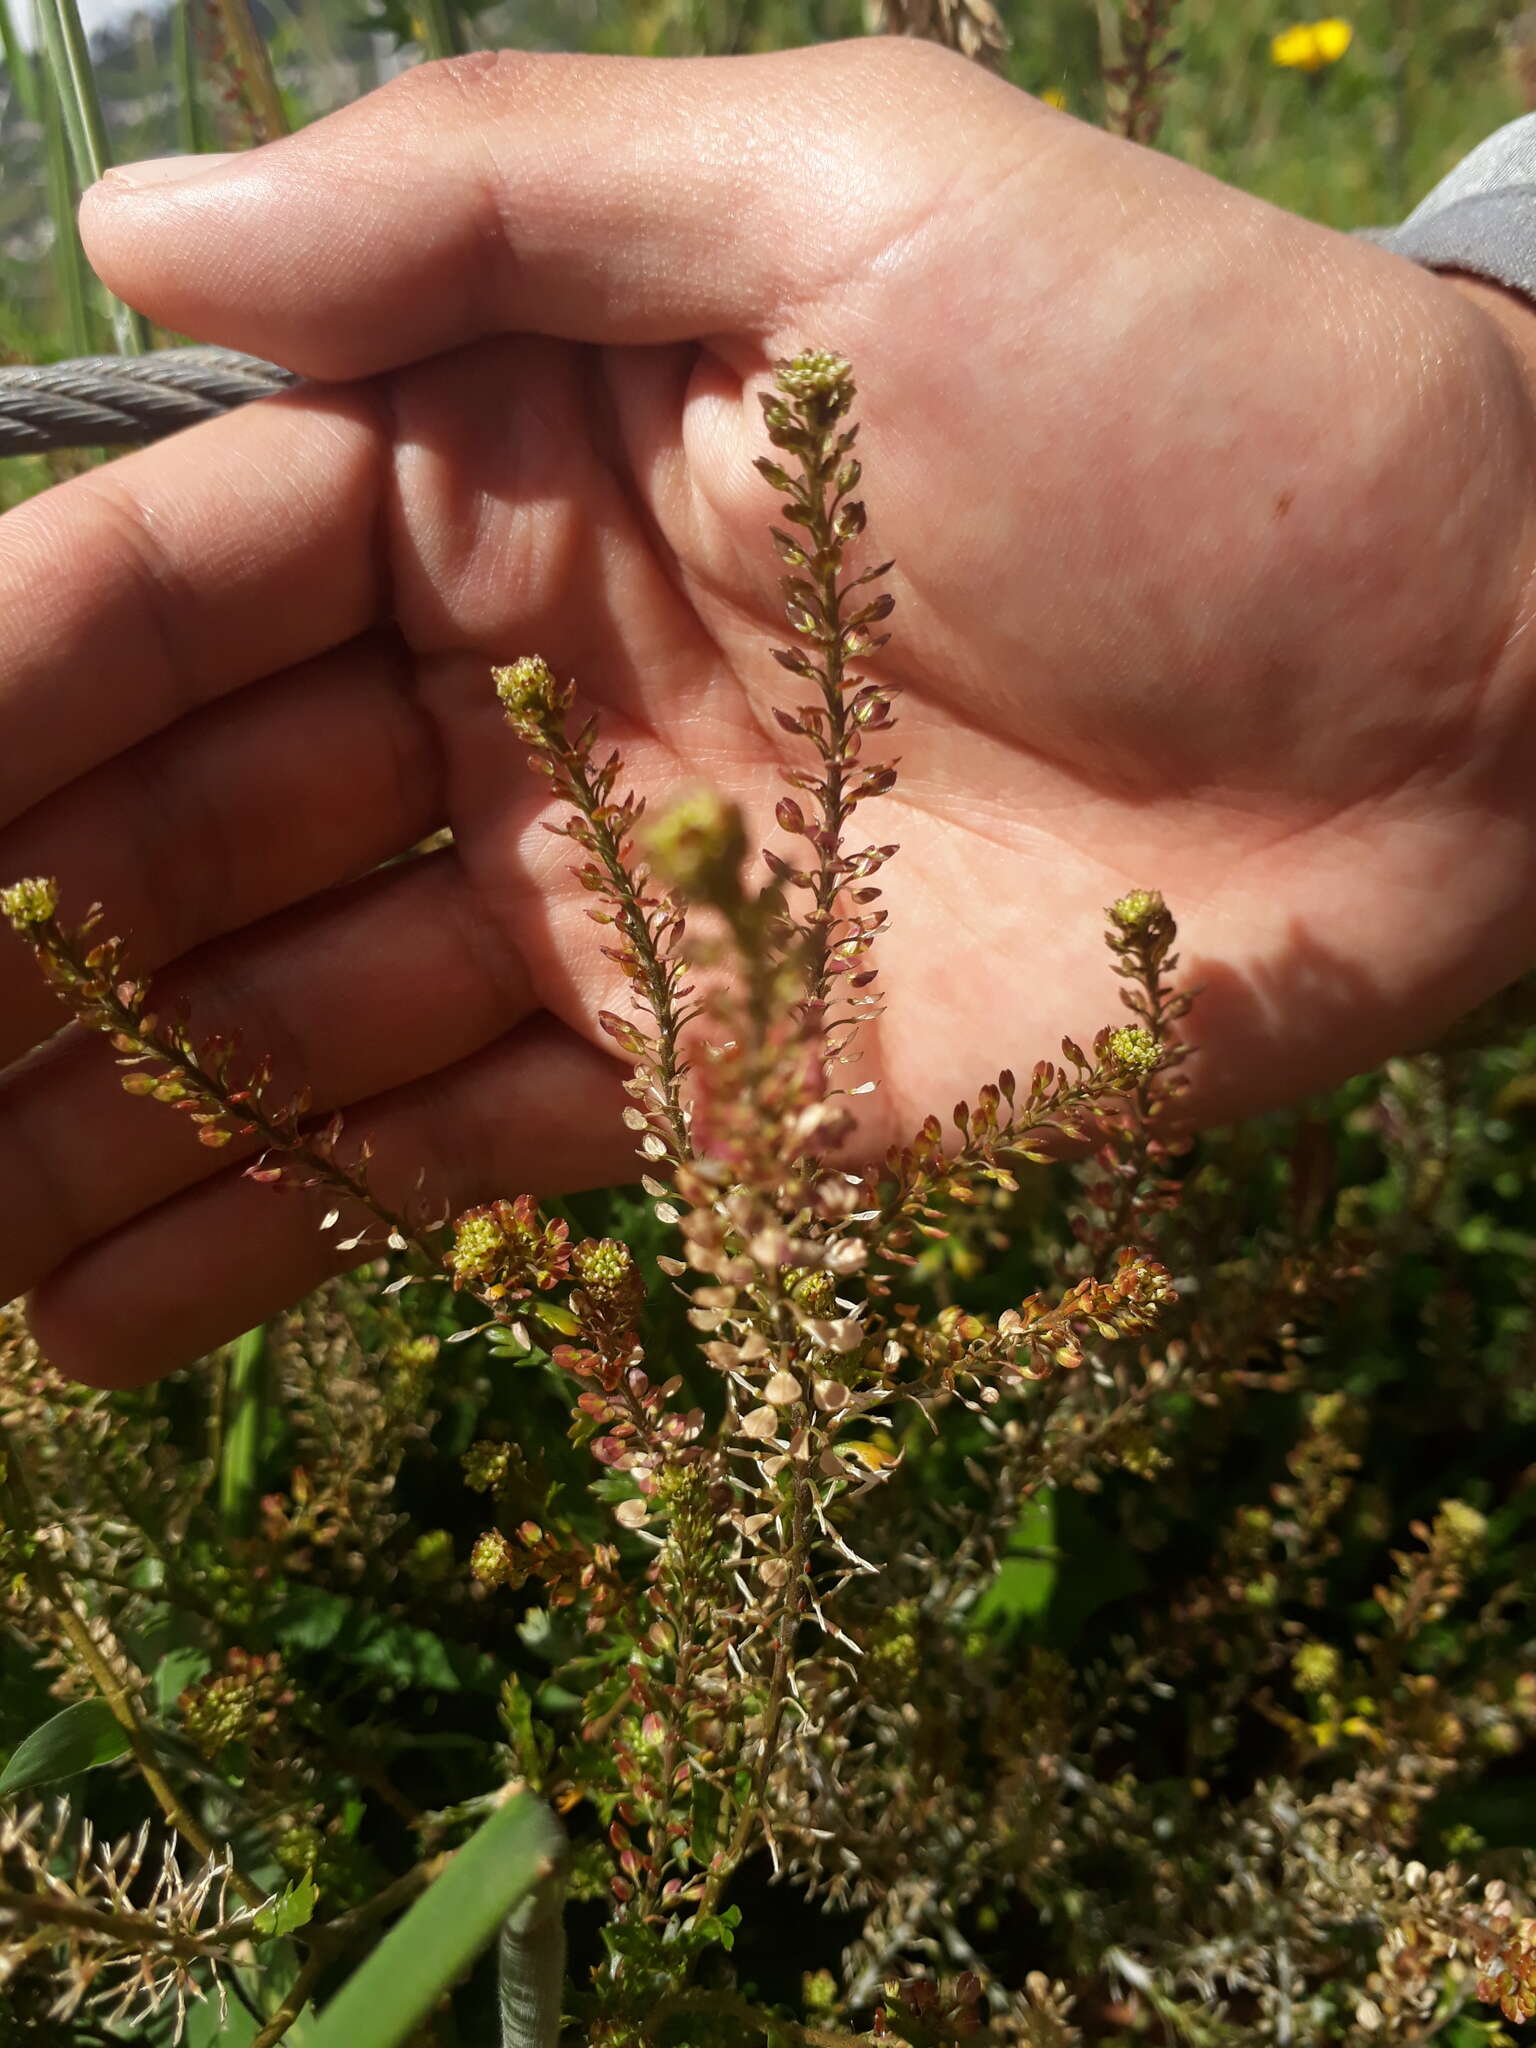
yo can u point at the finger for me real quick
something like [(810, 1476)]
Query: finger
[(193, 834), (593, 198), (142, 591), (537, 1111), (371, 988)]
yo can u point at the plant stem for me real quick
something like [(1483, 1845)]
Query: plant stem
[(253, 65), (773, 1713), (184, 58), (659, 979), (240, 1460), (68, 57), (18, 63), (103, 1008), (294, 2001), (442, 32), (125, 1930)]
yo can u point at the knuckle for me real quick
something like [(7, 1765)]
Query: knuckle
[(479, 83)]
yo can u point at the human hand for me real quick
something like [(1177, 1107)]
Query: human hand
[(1213, 532)]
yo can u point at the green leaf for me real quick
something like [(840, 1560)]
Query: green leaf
[(175, 1672), (293, 1907), (427, 1950), (83, 1736)]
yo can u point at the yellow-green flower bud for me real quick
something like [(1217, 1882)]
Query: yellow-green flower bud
[(697, 846), (30, 902), (430, 1560), (486, 1466), (605, 1268), (478, 1245), (816, 373), (1133, 1050), (1316, 1667), (493, 1561), (298, 1848), (1137, 909), (1460, 1531), (813, 1290), (533, 700)]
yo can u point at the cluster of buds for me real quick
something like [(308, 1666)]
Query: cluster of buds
[(237, 1705), (1133, 1050), (609, 1295), (507, 1251), (535, 703)]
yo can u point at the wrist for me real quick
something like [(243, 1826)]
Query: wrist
[(1512, 314)]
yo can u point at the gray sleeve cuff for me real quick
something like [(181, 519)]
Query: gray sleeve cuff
[(1481, 217)]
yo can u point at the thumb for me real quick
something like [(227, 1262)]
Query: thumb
[(599, 199)]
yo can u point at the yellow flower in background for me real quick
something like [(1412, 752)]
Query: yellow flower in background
[(1053, 96), (1311, 45)]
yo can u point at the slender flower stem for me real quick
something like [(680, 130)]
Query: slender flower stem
[(442, 29), (659, 979), (98, 1003), (124, 1930), (184, 53), (253, 64), (296, 1998)]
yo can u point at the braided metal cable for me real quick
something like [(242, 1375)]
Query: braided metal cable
[(115, 401)]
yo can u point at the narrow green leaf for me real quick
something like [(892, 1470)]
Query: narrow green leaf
[(240, 1461), (67, 56), (69, 266), (83, 1736), (18, 63), (432, 1946)]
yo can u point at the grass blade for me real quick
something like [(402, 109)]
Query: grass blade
[(18, 64), (184, 57), (240, 1459), (68, 59), (518, 1849), (71, 274)]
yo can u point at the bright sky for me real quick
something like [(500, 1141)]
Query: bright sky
[(94, 13)]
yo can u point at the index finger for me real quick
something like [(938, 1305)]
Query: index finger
[(141, 591)]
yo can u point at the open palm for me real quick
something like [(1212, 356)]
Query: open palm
[(1213, 532)]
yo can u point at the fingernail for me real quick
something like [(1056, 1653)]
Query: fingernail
[(169, 170)]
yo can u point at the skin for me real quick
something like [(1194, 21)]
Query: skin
[(1214, 532)]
